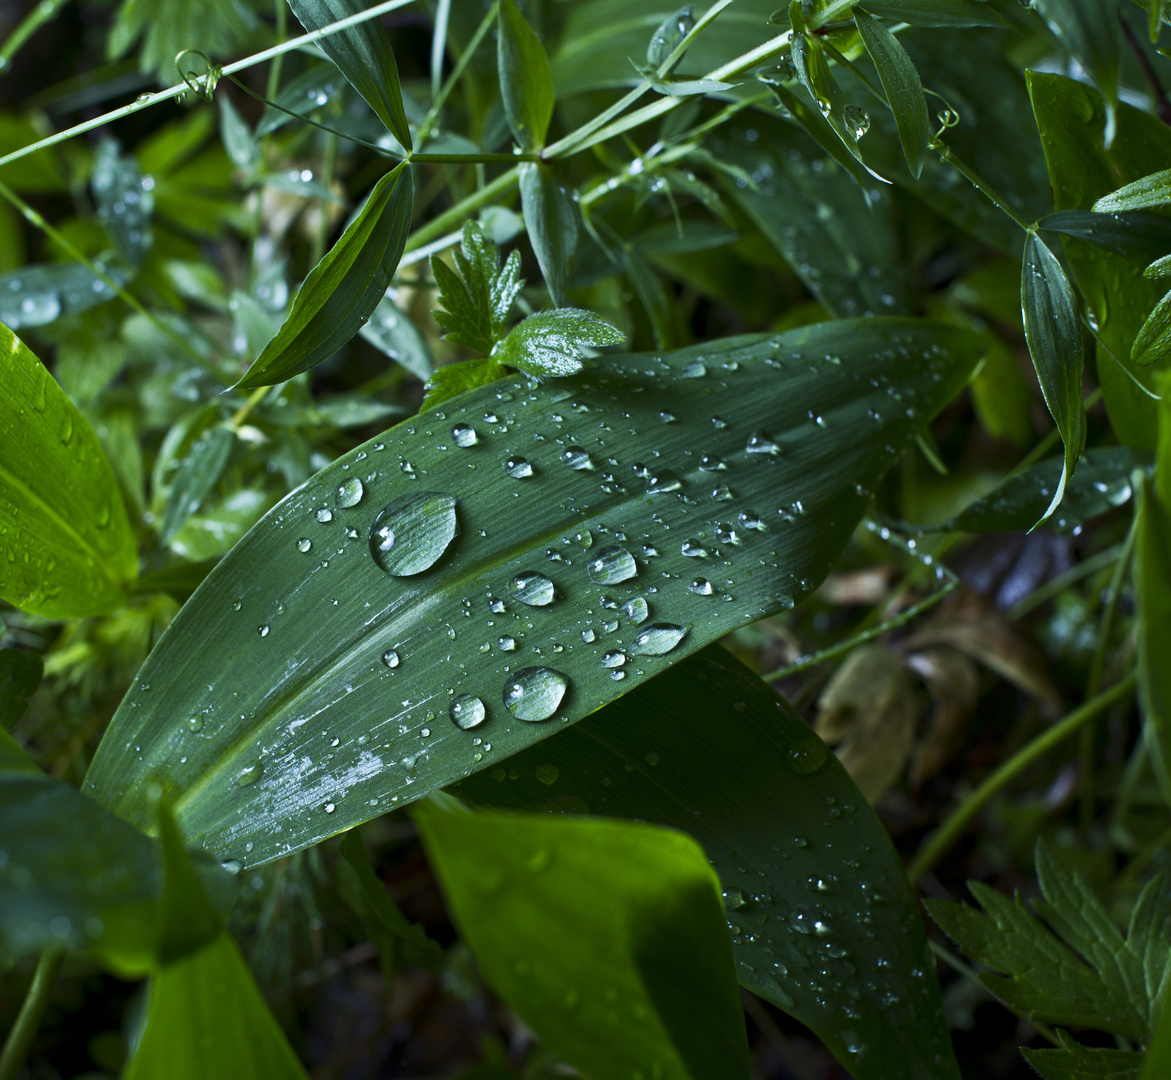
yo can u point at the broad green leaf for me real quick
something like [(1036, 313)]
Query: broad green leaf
[(1136, 236), (124, 198), (1049, 310), (299, 637), (936, 13), (553, 343), (206, 1018), (1075, 968), (187, 918), (476, 301), (553, 222), (904, 91), (39, 294), (416, 946), (196, 476), (1071, 119), (816, 217), (70, 549), (1149, 193), (606, 937), (1076, 1062), (364, 55), (1102, 482), (342, 290), (392, 332), (20, 675), (526, 83), (1152, 344), (789, 835)]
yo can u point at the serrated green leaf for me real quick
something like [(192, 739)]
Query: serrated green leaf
[(1152, 344), (20, 675), (1049, 311), (904, 91), (197, 474), (553, 222), (1135, 236), (364, 56), (454, 379), (766, 782), (206, 1018), (1148, 193), (170, 26), (342, 290), (1078, 971), (607, 937), (957, 14), (63, 525), (526, 82), (476, 301), (1102, 482), (552, 344), (265, 626)]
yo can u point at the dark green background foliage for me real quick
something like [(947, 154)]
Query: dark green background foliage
[(533, 534)]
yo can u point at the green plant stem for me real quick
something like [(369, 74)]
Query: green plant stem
[(441, 93), (145, 101), (43, 12), (947, 834), (20, 1038), (947, 156), (273, 84)]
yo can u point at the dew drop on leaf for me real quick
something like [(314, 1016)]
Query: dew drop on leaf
[(535, 693), (532, 588), (657, 639), (411, 534), (693, 549), (613, 659), (467, 711), (612, 565), (760, 443), (806, 754), (662, 481), (350, 492), (577, 458), (701, 587), (635, 610), (391, 659), (464, 435), (248, 775), (324, 515), (518, 468), (304, 544)]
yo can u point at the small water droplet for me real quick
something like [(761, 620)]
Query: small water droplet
[(248, 775), (304, 544), (391, 658), (535, 693), (324, 515), (588, 635), (612, 565), (507, 644), (658, 639), (635, 610), (577, 458), (712, 463), (726, 533), (262, 631), (467, 712), (614, 658), (693, 549), (350, 492), (495, 605), (662, 481), (464, 435), (806, 753), (518, 468), (696, 369), (411, 533), (760, 443), (857, 120), (195, 723), (701, 587), (750, 519), (533, 589), (330, 808), (547, 774)]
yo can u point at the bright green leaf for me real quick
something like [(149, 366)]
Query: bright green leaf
[(206, 1018), (526, 83), (288, 634), (553, 222), (60, 506), (607, 937), (551, 344), (364, 55), (1158, 1056), (341, 291), (1049, 310), (1151, 192), (669, 34), (1155, 9), (1152, 344), (453, 379), (766, 782), (904, 91), (187, 919)]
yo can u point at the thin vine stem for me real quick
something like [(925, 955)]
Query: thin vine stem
[(43, 12), (949, 832), (423, 132), (20, 1038)]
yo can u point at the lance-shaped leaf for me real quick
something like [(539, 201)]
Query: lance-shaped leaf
[(1052, 329), (341, 291), (553, 222), (526, 82), (1153, 341), (363, 54), (196, 476), (607, 937), (465, 584), (936, 13), (1147, 193), (553, 343), (66, 549), (802, 857), (1135, 235), (904, 91)]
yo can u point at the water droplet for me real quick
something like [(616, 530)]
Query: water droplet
[(464, 435), (467, 712), (694, 370), (662, 481), (726, 534), (495, 605), (535, 693), (507, 644), (324, 515), (518, 468), (532, 588), (262, 631), (304, 544), (577, 458), (614, 658), (547, 774), (350, 492), (588, 635), (712, 463), (693, 549), (667, 417), (248, 775), (195, 723), (635, 610), (411, 534), (760, 443), (806, 753), (750, 519), (856, 120), (658, 639), (391, 658), (701, 587), (330, 808), (612, 565)]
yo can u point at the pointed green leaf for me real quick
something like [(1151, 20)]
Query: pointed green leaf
[(1155, 9), (206, 1018), (187, 919), (341, 291), (453, 379), (1148, 193), (553, 222), (669, 34), (789, 835), (606, 937), (1053, 331), (526, 83), (364, 55), (1136, 236), (550, 344), (1152, 344), (197, 475), (63, 525), (957, 14), (306, 632), (904, 91)]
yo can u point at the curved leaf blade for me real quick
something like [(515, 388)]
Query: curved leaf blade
[(337, 298), (299, 638), (1053, 332), (364, 56), (1152, 344), (526, 81), (553, 222), (66, 540), (1148, 193), (606, 936), (776, 814), (957, 14)]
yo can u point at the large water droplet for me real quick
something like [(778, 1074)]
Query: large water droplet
[(467, 712), (663, 480), (657, 639), (612, 565), (391, 658), (577, 458), (806, 753), (613, 659), (635, 610), (324, 515), (412, 533), (760, 443), (464, 435), (535, 693), (857, 120), (532, 588), (518, 468), (350, 492), (701, 587)]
